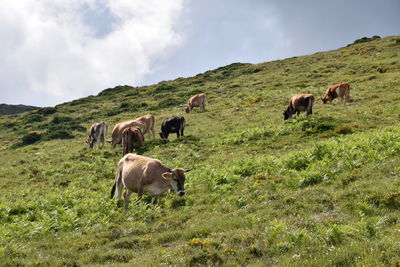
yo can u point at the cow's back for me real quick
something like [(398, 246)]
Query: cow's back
[(197, 100), (148, 121), (302, 101), (116, 134), (138, 169)]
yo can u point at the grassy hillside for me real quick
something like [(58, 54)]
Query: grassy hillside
[(316, 191)]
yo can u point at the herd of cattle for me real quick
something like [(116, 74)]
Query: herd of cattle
[(141, 174)]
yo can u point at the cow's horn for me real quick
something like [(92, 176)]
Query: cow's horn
[(108, 141), (188, 170)]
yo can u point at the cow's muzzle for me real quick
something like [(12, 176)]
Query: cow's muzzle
[(181, 193)]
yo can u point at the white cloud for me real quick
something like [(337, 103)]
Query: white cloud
[(65, 49)]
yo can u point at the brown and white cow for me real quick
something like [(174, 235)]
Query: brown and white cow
[(116, 135), (139, 174), (132, 138), (198, 100), (341, 90), (97, 134), (299, 102), (148, 121)]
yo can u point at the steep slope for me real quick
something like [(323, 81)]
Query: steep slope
[(322, 190)]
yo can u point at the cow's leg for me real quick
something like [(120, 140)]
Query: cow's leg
[(298, 113), (177, 134), (182, 131), (154, 200), (102, 141), (140, 193), (127, 194), (309, 111)]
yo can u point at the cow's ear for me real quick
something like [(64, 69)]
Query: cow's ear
[(167, 176)]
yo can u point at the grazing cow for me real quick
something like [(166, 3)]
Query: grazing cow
[(172, 125), (198, 100), (341, 90), (97, 134), (116, 135), (141, 174), (148, 121), (132, 138), (300, 102)]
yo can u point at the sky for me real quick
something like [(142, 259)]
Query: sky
[(54, 51)]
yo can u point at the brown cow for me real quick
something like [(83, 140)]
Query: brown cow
[(148, 121), (97, 134), (334, 91), (198, 100), (300, 102), (141, 174), (132, 138), (116, 135)]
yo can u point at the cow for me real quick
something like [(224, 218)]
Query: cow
[(132, 138), (139, 174), (172, 125), (148, 121), (97, 134), (116, 135), (341, 90), (198, 100), (299, 102)]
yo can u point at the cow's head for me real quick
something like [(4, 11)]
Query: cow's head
[(324, 99), (328, 97), (176, 178), (162, 135), (187, 109), (90, 142)]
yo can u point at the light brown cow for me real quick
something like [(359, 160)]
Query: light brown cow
[(198, 100), (148, 121), (341, 90), (132, 138), (116, 135), (299, 102), (141, 175), (97, 134)]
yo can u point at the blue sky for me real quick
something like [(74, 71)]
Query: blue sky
[(55, 51)]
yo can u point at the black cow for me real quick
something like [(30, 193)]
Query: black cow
[(172, 125)]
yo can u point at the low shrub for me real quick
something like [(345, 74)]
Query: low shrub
[(166, 103), (47, 111), (318, 125), (31, 137), (33, 118), (365, 40), (345, 129), (164, 88), (115, 90), (126, 107), (57, 134), (297, 162), (311, 179)]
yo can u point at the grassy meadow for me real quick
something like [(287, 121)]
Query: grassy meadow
[(322, 190)]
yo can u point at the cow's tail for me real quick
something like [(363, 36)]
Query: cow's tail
[(117, 184), (183, 123)]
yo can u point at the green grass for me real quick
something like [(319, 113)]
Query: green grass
[(322, 190)]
